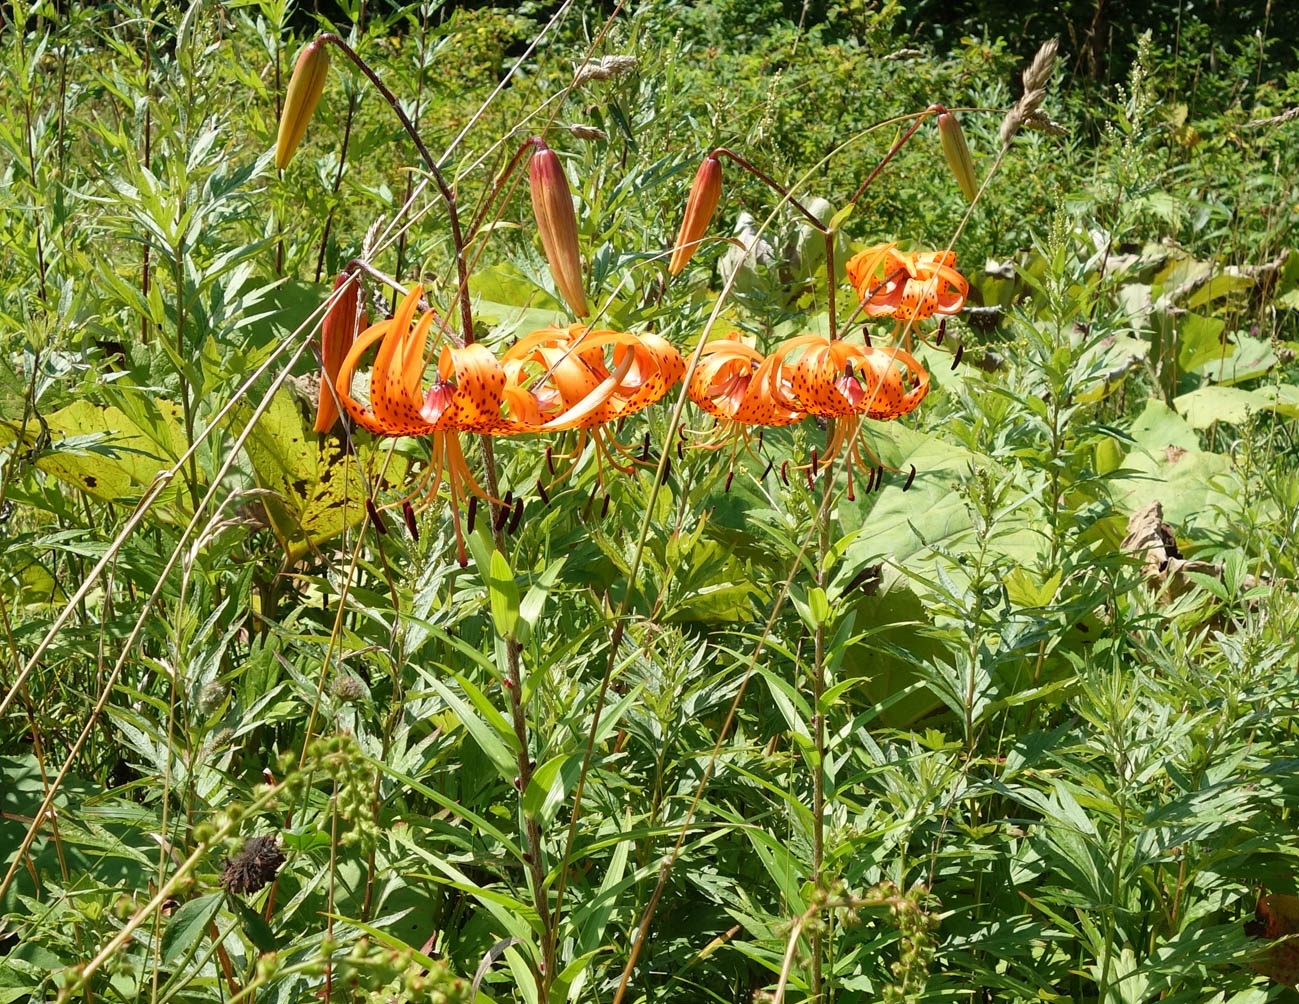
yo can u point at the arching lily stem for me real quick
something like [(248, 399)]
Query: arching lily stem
[(457, 237), (911, 131)]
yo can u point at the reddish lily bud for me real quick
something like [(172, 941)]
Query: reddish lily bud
[(957, 152), (305, 85), (337, 332), (552, 204), (705, 193)]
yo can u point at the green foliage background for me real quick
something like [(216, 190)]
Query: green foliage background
[(1049, 772)]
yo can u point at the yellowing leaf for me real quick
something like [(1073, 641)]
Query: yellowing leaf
[(104, 452), (315, 494)]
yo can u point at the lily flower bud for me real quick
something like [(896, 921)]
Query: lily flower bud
[(957, 152), (305, 85), (337, 332), (552, 204), (705, 193)]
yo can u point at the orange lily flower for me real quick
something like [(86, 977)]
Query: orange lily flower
[(735, 382), (467, 396), (907, 285), (741, 388), (573, 387), (834, 379)]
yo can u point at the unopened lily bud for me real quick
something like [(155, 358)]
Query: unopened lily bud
[(705, 193), (305, 85), (552, 204), (337, 332), (957, 152)]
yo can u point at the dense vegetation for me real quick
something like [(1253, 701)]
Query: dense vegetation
[(720, 727)]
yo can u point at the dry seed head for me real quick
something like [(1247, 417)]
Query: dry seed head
[(1040, 121), (587, 133), (705, 193), (552, 204), (1036, 77), (305, 85), (607, 68), (957, 153)]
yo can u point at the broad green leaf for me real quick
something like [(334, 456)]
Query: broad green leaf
[(188, 925), (1169, 466), (503, 592), (1206, 405), (1199, 341)]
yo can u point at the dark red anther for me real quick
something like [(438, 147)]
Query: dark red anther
[(375, 518), (408, 513), (667, 470), (767, 470), (960, 350), (541, 490), (503, 512), (507, 683), (814, 467), (942, 330), (784, 473), (808, 472), (680, 455), (644, 449), (910, 477), (729, 476), (550, 462), (473, 513), (761, 433), (517, 518), (604, 508), (879, 481), (866, 337), (870, 481)]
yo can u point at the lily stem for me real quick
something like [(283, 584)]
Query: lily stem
[(818, 728), (531, 827), (773, 184), (911, 131), (457, 238)]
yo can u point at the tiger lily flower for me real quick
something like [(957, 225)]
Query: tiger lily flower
[(734, 382), (838, 380), (835, 378), (907, 286), (741, 388), (565, 374), (466, 396)]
